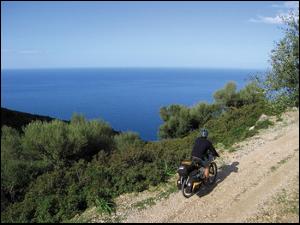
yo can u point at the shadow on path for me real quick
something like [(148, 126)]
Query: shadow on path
[(223, 172)]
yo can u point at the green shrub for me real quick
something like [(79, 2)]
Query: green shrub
[(263, 124), (227, 97), (10, 143), (233, 126), (172, 110), (252, 93), (59, 143), (48, 142), (177, 121), (180, 120), (279, 105), (87, 138), (17, 171), (127, 139), (203, 112)]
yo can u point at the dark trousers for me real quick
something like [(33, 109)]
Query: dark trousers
[(203, 161)]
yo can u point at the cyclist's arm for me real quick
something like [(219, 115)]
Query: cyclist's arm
[(213, 150)]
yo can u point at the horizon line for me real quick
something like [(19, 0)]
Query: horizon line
[(135, 67)]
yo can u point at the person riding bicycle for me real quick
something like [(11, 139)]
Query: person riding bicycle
[(201, 150)]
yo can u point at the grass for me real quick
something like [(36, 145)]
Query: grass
[(168, 170), (115, 219), (83, 218), (93, 215), (281, 162), (104, 206), (163, 192), (231, 149), (273, 168), (144, 203), (290, 203), (283, 208), (167, 193), (220, 146), (78, 220)]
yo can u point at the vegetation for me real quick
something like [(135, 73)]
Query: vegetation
[(126, 140), (283, 161), (282, 81), (179, 120), (53, 170), (283, 208)]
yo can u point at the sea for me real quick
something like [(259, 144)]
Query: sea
[(129, 99)]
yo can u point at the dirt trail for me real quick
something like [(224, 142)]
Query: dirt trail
[(249, 177)]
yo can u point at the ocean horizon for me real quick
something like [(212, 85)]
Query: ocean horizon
[(129, 99)]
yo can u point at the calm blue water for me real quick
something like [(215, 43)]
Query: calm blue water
[(129, 99)]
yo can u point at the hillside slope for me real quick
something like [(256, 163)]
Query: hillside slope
[(18, 119), (259, 182)]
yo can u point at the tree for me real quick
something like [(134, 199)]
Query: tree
[(201, 113), (172, 110), (177, 121), (252, 93), (283, 79), (227, 97)]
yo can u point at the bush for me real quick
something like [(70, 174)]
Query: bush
[(16, 171), (48, 142), (89, 137), (44, 147), (10, 143), (227, 97), (179, 120), (233, 126), (202, 112), (252, 93), (263, 124), (167, 112), (59, 143), (127, 139)]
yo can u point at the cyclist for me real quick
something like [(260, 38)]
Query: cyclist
[(200, 151)]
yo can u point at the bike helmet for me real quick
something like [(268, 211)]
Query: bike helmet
[(203, 133)]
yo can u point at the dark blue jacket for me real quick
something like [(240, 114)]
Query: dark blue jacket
[(201, 148)]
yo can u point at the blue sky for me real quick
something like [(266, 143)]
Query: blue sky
[(140, 34)]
